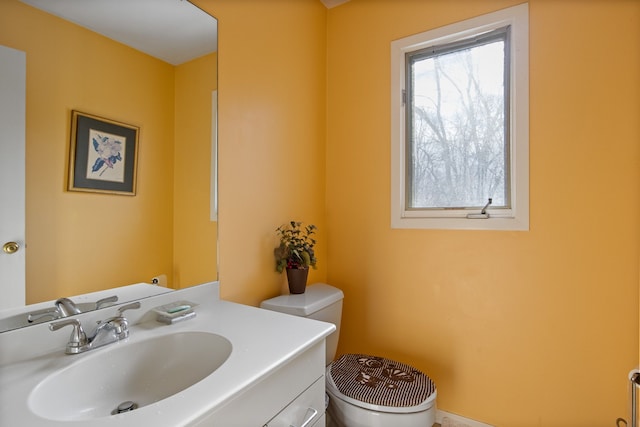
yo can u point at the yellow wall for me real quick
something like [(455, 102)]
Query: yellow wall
[(535, 328), (272, 81), (76, 240), (194, 234)]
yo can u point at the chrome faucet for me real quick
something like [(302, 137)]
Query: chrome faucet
[(108, 331)]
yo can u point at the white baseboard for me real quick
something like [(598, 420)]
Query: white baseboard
[(447, 419)]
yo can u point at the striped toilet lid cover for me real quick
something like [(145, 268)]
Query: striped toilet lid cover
[(379, 381)]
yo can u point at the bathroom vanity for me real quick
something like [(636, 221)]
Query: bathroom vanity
[(230, 365)]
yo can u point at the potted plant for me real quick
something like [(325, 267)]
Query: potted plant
[(295, 253)]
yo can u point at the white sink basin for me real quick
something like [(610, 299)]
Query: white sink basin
[(142, 372)]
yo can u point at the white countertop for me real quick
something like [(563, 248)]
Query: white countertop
[(262, 342)]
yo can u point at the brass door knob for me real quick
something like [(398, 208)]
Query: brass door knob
[(10, 247)]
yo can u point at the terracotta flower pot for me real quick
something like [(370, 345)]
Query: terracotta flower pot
[(297, 278)]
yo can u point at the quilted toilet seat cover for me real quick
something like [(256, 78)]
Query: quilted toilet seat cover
[(382, 382)]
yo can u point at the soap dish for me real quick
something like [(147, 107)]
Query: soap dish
[(175, 312)]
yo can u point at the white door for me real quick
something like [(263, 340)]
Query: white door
[(12, 176)]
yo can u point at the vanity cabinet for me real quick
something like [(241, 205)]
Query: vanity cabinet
[(285, 397)]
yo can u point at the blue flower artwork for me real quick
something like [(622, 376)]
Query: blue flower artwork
[(107, 157)]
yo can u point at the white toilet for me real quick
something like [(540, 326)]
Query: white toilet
[(364, 390)]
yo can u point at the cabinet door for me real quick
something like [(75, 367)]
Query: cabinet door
[(305, 410)]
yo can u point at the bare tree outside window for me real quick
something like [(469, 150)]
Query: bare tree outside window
[(458, 147)]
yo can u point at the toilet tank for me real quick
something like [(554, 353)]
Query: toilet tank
[(319, 302)]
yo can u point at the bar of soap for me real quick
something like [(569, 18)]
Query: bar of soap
[(178, 308)]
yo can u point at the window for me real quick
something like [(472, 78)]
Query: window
[(460, 125)]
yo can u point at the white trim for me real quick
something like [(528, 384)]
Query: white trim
[(516, 218), (458, 421), (213, 186)]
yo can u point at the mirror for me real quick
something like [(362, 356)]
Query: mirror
[(82, 242)]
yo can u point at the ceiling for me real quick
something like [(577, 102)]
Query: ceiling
[(176, 31), (333, 3)]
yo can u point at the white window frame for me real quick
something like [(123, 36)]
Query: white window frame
[(516, 218), (213, 179)]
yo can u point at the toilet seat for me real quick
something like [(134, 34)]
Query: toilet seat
[(380, 384)]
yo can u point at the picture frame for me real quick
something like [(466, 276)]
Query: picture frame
[(103, 155)]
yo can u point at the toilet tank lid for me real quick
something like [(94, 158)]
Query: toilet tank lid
[(315, 298)]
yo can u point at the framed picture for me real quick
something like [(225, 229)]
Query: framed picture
[(103, 155)]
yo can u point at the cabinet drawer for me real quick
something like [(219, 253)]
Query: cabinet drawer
[(307, 408)]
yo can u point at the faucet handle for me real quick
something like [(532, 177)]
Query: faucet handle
[(104, 301), (133, 305), (78, 338), (40, 314)]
